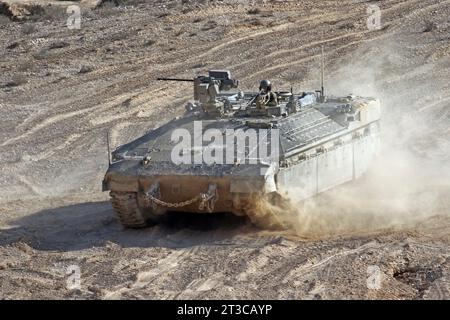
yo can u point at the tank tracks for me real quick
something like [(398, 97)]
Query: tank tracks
[(129, 213)]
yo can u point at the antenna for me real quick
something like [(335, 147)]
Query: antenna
[(109, 149), (322, 91)]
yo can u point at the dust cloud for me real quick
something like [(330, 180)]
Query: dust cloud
[(408, 182)]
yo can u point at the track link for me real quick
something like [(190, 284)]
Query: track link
[(127, 210)]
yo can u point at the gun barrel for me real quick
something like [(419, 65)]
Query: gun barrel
[(175, 79)]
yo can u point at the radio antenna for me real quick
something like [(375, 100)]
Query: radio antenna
[(108, 146), (322, 91)]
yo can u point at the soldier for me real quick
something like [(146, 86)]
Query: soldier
[(266, 97)]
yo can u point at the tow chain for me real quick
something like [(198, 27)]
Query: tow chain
[(207, 200), (174, 204)]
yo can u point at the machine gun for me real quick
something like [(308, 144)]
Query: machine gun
[(219, 79)]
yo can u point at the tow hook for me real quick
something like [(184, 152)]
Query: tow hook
[(155, 193), (209, 198)]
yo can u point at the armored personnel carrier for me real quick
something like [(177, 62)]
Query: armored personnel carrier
[(232, 148)]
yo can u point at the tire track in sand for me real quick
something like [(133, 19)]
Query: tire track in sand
[(144, 278)]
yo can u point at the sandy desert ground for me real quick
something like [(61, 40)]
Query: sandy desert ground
[(386, 236)]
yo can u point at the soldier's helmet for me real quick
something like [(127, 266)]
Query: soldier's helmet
[(265, 85)]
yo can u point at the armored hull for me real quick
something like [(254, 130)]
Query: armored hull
[(214, 163)]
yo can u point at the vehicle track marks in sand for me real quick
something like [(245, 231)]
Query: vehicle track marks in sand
[(64, 116), (30, 185), (145, 278), (47, 123), (312, 57), (254, 266), (198, 286), (51, 151), (306, 268), (260, 241), (279, 53), (316, 43), (144, 107), (428, 106), (33, 116), (248, 36)]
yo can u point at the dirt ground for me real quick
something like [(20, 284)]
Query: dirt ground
[(62, 90)]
